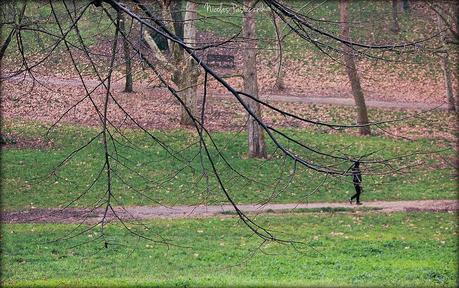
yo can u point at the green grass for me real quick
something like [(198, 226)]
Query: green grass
[(399, 249), (27, 181)]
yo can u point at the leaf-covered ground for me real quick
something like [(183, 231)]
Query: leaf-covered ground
[(155, 108)]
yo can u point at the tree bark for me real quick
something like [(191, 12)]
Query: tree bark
[(395, 26), (185, 70), (456, 74), (127, 56), (445, 66), (279, 85), (189, 73), (362, 114), (256, 142)]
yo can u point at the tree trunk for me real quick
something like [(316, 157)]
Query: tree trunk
[(279, 85), (189, 73), (127, 56), (406, 6), (177, 17), (362, 115), (38, 39), (446, 67), (188, 82), (185, 70), (448, 81), (6, 43), (456, 74), (395, 26), (257, 147)]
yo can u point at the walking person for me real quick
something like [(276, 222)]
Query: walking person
[(357, 180)]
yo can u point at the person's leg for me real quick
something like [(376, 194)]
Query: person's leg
[(355, 195), (359, 190)]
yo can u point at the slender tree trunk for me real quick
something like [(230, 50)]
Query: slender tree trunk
[(395, 26), (448, 82), (189, 73), (445, 66), (362, 114), (127, 56), (456, 74), (257, 147), (6, 43), (38, 39), (279, 85)]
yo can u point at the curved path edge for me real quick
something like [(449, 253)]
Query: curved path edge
[(77, 215)]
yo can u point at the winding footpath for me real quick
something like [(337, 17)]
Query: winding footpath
[(340, 101)]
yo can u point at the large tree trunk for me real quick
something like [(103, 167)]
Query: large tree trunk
[(127, 56), (189, 73), (185, 70), (362, 114), (445, 65), (257, 147), (395, 26), (177, 17)]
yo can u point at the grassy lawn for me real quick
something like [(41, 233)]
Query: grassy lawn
[(351, 249), (153, 176)]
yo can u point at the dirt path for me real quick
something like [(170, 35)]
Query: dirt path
[(75, 215), (340, 101)]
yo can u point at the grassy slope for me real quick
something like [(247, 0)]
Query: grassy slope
[(342, 249), (25, 184)]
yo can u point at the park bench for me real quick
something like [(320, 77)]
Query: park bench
[(220, 61)]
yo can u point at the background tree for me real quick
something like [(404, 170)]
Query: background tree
[(257, 146), (279, 84), (351, 69), (127, 56), (395, 25), (445, 18), (184, 70), (445, 65)]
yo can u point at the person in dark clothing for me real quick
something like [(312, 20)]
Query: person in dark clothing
[(357, 180)]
